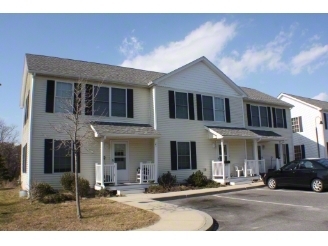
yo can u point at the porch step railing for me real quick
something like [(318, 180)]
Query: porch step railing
[(147, 172), (262, 168), (108, 174), (218, 169), (254, 167)]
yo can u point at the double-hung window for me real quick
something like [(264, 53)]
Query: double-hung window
[(181, 104), (183, 152), (259, 115), (225, 152), (295, 124), (208, 108), (219, 109), (118, 104), (298, 152), (62, 156), (255, 115), (101, 101), (213, 108), (279, 118), (64, 97), (264, 116)]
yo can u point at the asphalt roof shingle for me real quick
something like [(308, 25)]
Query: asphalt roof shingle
[(255, 95), (314, 102), (88, 70), (107, 128)]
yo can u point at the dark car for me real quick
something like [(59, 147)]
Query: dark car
[(300, 173)]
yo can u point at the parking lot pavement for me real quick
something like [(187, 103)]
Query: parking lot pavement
[(264, 210)]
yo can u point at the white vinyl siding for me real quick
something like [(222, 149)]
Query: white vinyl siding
[(63, 97)]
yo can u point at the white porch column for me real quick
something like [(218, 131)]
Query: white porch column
[(256, 156), (281, 155), (156, 158), (102, 161), (222, 159)]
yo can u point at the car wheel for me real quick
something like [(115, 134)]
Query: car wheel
[(272, 183), (317, 185)]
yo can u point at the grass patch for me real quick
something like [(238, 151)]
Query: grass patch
[(99, 214)]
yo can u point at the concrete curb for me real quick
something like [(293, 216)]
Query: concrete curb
[(169, 198)]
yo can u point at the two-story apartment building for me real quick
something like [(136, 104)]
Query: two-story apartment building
[(193, 118), (309, 125)]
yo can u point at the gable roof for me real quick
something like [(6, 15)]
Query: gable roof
[(317, 103), (88, 70), (258, 96), (211, 66)]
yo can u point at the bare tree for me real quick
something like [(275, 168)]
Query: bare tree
[(8, 134), (75, 125)]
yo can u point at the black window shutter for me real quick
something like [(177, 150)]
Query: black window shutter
[(303, 151), (287, 153), (191, 106), (285, 121), (276, 146), (88, 99), (227, 110), (130, 102), (172, 104), (269, 117), (301, 124), (48, 155), (193, 155), (50, 96), (174, 157), (78, 153), (274, 118), (77, 98), (249, 117), (325, 119), (199, 107)]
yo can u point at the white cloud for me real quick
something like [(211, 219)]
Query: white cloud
[(131, 47), (207, 40), (267, 57), (323, 96), (314, 38), (309, 59)]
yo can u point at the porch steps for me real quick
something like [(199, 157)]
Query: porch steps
[(246, 180)]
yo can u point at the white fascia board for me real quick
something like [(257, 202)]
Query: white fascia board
[(298, 100), (23, 87)]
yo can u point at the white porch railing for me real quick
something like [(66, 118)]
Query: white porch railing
[(108, 174), (254, 167), (279, 163), (147, 172), (218, 169), (262, 168)]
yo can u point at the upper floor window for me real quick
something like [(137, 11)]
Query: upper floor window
[(213, 108), (325, 119), (181, 104), (297, 124), (259, 116), (101, 101), (64, 97), (26, 108), (279, 118), (119, 102)]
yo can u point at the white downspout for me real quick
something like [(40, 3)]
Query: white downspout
[(30, 136)]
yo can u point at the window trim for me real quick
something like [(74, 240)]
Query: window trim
[(300, 152), (259, 111), (298, 124), (213, 103), (175, 104), (190, 167), (283, 119), (55, 96), (93, 101), (53, 155), (126, 101)]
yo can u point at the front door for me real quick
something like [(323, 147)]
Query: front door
[(120, 156)]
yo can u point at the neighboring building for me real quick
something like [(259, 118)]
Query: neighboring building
[(194, 118), (309, 124)]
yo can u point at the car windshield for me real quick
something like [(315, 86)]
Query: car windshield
[(323, 162)]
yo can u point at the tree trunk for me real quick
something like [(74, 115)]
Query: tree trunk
[(77, 195)]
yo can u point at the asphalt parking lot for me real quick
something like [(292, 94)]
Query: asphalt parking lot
[(262, 209)]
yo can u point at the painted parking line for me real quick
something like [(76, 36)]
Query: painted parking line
[(274, 203), (300, 191)]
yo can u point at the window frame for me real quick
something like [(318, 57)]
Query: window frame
[(214, 109), (126, 101), (296, 126), (53, 156), (218, 152), (282, 115), (189, 144), (55, 96), (260, 115), (175, 104), (93, 101), (298, 152)]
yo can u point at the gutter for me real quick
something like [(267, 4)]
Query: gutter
[(30, 136)]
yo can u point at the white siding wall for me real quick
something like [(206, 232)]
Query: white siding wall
[(25, 137), (308, 136), (326, 136), (284, 132), (42, 129)]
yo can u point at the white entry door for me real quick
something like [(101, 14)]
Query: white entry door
[(120, 156)]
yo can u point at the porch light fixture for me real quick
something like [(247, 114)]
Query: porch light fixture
[(316, 132)]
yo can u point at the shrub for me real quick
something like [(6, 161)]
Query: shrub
[(40, 190), (57, 198), (104, 193), (197, 179), (157, 189), (212, 184), (68, 182), (167, 180)]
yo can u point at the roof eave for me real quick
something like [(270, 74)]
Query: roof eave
[(268, 102), (23, 87), (299, 100)]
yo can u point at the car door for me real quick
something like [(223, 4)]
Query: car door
[(304, 174), (286, 175)]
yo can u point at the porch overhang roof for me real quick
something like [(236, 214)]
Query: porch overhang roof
[(216, 132), (123, 130)]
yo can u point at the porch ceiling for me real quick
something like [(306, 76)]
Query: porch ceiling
[(124, 130), (241, 133)]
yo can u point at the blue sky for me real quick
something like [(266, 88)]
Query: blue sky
[(273, 53)]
